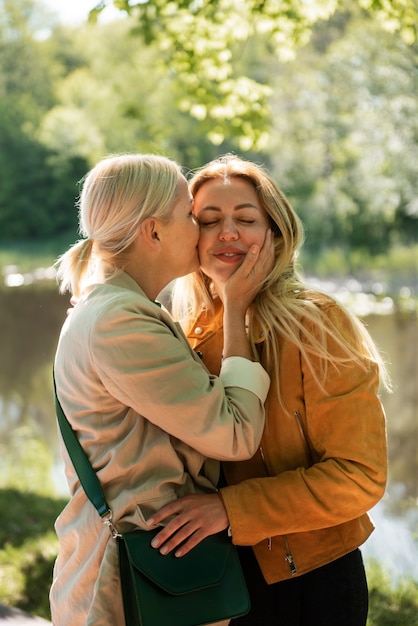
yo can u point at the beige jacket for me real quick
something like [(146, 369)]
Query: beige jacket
[(148, 415), (302, 500)]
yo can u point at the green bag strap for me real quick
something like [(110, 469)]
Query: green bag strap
[(82, 466)]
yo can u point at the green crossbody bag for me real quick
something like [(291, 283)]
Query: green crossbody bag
[(204, 586)]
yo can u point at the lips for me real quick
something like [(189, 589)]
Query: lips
[(229, 255)]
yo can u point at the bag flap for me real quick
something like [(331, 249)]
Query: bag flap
[(203, 567)]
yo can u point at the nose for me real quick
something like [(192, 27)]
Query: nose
[(228, 231)]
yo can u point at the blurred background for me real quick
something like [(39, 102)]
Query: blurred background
[(323, 94)]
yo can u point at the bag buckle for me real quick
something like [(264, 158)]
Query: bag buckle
[(107, 520)]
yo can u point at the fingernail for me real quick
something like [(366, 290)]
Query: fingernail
[(150, 521), (163, 550), (155, 543)]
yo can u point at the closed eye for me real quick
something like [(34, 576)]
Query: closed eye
[(211, 223), (214, 222)]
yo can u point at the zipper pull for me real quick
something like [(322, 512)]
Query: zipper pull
[(269, 543), (293, 568)]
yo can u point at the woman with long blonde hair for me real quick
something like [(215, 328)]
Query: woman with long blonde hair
[(302, 501)]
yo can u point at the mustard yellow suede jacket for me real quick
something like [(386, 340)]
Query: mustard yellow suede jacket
[(302, 500)]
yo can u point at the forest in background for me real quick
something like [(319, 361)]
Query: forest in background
[(330, 108)]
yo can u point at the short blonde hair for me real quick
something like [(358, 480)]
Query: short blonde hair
[(118, 194)]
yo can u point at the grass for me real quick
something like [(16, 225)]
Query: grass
[(28, 548), (391, 604), (28, 256)]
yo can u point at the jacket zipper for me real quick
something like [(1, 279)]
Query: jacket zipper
[(264, 461), (289, 558), (304, 437)]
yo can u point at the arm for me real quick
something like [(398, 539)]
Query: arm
[(143, 365), (143, 360), (346, 428)]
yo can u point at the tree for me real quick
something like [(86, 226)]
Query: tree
[(201, 41), (344, 137), (340, 126), (36, 195), (119, 99)]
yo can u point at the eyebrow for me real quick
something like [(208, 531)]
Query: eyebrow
[(245, 205)]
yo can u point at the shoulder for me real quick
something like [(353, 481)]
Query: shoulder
[(337, 329), (119, 306), (323, 319), (321, 300), (326, 307), (120, 293)]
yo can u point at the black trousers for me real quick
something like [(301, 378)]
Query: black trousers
[(333, 595)]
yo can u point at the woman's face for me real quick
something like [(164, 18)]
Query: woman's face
[(183, 234), (231, 220)]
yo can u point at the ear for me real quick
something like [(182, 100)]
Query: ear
[(150, 232)]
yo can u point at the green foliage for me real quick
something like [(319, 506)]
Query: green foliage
[(344, 137), (335, 123), (28, 515), (26, 257), (199, 43), (36, 195), (28, 548), (201, 40), (36, 198), (20, 453), (395, 15), (26, 70), (391, 604), (393, 273)]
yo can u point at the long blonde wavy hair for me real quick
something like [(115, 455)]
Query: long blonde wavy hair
[(285, 306), (118, 194)]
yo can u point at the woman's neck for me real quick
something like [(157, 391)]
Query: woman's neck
[(218, 290)]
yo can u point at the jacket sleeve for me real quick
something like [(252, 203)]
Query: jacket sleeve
[(346, 429), (147, 365)]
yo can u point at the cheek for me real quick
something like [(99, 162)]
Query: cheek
[(203, 242), (194, 231), (203, 251), (201, 247), (255, 235)]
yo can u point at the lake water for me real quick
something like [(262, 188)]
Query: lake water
[(30, 319)]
